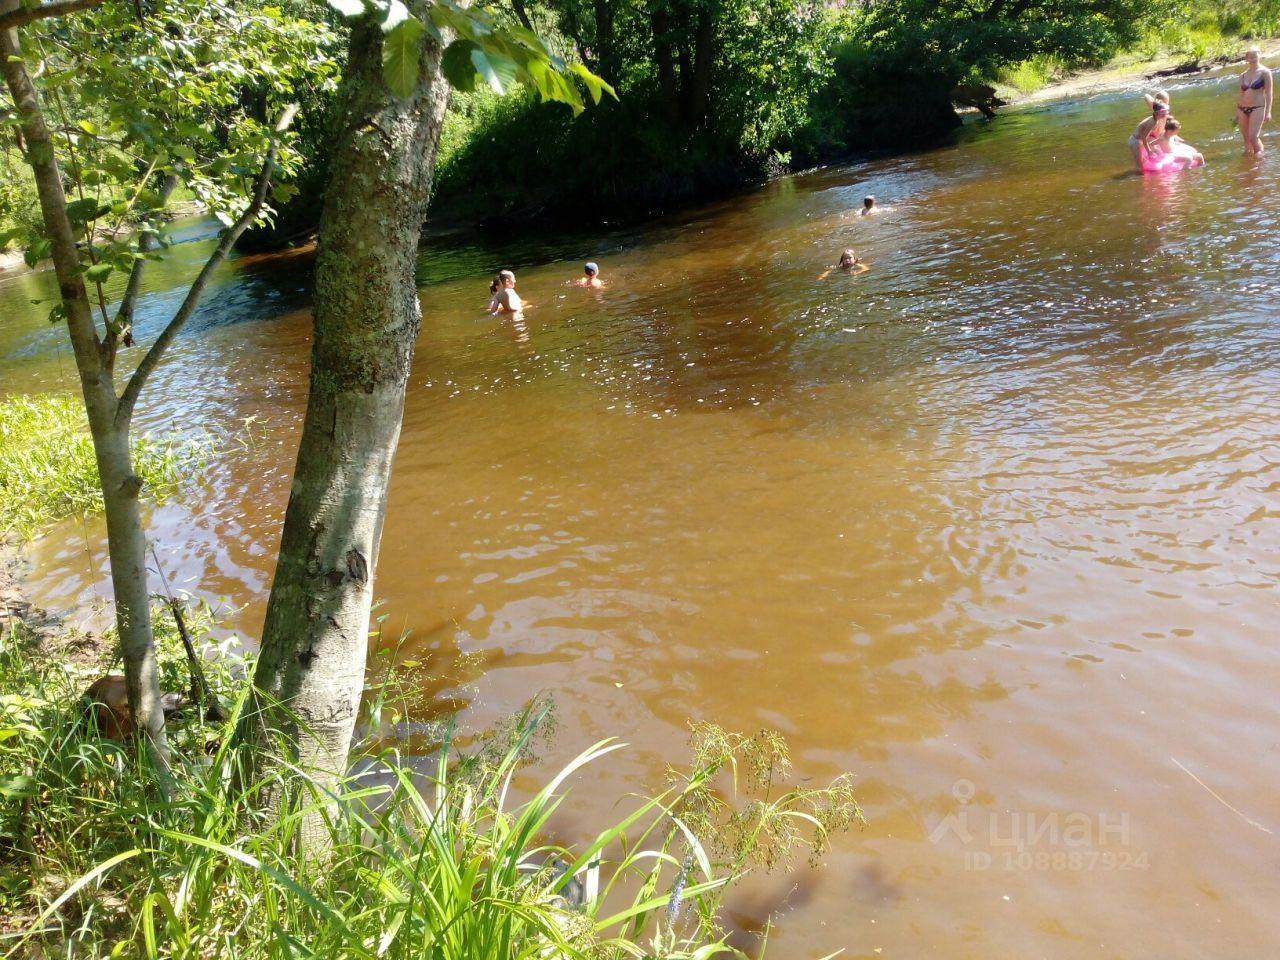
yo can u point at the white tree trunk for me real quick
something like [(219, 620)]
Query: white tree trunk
[(367, 318)]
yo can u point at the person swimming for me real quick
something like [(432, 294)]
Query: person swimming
[(591, 276), (869, 208), (504, 299), (848, 263), (1150, 129)]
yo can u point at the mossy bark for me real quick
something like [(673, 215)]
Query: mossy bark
[(310, 673)]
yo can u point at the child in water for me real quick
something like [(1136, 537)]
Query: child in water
[(848, 263), (1150, 129), (1171, 144), (504, 299), (591, 277)]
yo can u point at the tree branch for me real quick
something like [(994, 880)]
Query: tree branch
[(24, 15), (120, 330), (128, 399)]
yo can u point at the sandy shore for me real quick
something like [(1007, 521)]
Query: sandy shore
[(1125, 74)]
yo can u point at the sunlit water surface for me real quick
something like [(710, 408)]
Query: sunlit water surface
[(992, 526)]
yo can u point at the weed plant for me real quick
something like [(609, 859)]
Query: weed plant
[(48, 470)]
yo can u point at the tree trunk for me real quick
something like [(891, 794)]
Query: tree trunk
[(703, 64), (606, 44), (310, 673), (120, 485), (662, 56)]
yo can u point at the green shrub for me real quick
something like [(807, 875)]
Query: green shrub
[(47, 465)]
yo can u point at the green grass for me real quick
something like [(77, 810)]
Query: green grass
[(48, 470), (445, 856)]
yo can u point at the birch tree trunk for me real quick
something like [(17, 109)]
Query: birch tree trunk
[(120, 484), (310, 673)]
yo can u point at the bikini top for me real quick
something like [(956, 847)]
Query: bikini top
[(1256, 85)]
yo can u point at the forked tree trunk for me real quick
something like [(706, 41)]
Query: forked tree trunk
[(310, 673), (120, 485)]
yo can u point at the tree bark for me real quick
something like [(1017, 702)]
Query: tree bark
[(663, 58), (310, 672), (120, 485), (704, 36), (606, 43)]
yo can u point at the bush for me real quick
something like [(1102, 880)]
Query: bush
[(48, 470)]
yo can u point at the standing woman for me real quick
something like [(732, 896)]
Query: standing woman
[(1253, 102)]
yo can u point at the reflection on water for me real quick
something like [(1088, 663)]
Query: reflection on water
[(992, 525)]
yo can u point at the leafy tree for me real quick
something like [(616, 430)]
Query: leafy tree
[(901, 61), (311, 670), (113, 109)]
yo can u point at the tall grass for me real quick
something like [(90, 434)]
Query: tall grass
[(444, 856), (47, 465)]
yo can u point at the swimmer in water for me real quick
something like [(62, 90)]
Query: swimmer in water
[(872, 208), (848, 264), (505, 299), (1149, 130), (591, 276)]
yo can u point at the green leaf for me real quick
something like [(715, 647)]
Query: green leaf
[(595, 85), (498, 71), (86, 209), (36, 251), (98, 272), (395, 14), (401, 49), (348, 8), (18, 787), (457, 66)]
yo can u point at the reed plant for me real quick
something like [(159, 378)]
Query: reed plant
[(47, 465), (445, 855)]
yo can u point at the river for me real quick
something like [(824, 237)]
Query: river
[(993, 526)]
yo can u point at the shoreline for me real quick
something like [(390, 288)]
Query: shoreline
[(1126, 74), (1122, 74)]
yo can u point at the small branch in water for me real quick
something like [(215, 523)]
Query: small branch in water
[(1252, 823)]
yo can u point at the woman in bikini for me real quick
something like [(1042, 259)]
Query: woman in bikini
[(1253, 102)]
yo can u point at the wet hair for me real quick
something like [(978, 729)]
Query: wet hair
[(868, 201), (494, 284), (848, 255), (505, 275)]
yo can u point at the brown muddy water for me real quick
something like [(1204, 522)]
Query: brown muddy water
[(993, 526)]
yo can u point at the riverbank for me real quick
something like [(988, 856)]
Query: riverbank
[(1127, 72)]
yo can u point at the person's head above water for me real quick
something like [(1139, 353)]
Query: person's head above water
[(868, 202), (1159, 108), (506, 278), (1171, 126), (591, 268), (847, 259), (1252, 55)]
